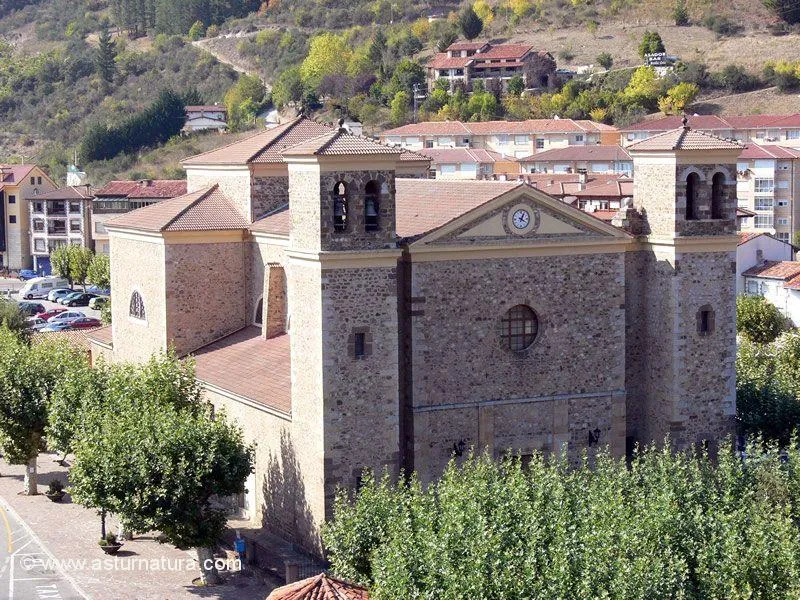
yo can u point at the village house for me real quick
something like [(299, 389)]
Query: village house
[(512, 139), (18, 183), (468, 163), (580, 159), (778, 282), (59, 218), (202, 118), (755, 250), (358, 319), (118, 197), (781, 130), (464, 63)]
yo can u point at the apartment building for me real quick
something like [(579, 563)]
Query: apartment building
[(580, 159), (768, 183), (59, 218), (118, 197), (780, 130), (17, 184), (463, 63), (515, 139), (468, 163)]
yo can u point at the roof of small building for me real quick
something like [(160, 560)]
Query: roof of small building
[(612, 188), (143, 189), (320, 587), (442, 61), (459, 46), (77, 338), (207, 108), (597, 152), (684, 138), (207, 209), (743, 212), (746, 236), (68, 192), (246, 364), (771, 269), (104, 335), (506, 51), (605, 215), (278, 222)]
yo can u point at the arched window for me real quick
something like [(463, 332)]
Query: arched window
[(340, 206), (137, 307), (371, 206), (519, 327), (717, 195), (692, 188), (259, 316)]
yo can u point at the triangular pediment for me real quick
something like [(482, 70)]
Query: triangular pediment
[(523, 215)]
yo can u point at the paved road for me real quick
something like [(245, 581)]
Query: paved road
[(13, 285), (27, 570)]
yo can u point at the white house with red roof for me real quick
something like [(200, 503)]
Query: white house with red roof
[(202, 118), (513, 139), (576, 159), (754, 250), (777, 281), (467, 62), (782, 130)]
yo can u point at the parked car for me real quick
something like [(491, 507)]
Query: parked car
[(99, 302), (66, 326), (93, 289), (85, 323), (59, 293), (31, 309), (50, 313), (79, 299), (66, 316), (26, 274), (65, 299), (37, 323), (39, 287)]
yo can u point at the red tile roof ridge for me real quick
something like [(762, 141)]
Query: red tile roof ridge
[(775, 269), (320, 587)]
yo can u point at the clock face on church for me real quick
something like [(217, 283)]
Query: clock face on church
[(522, 219)]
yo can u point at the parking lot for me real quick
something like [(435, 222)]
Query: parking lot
[(10, 287)]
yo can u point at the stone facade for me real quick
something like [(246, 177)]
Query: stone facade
[(566, 381), (268, 194), (189, 303)]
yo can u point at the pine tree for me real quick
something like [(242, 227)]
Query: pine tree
[(105, 66), (470, 23)]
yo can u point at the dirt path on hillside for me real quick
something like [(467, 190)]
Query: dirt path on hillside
[(216, 47)]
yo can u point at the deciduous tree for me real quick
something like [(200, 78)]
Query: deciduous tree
[(758, 320)]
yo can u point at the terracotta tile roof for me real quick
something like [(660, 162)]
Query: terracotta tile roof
[(426, 204), (793, 284), (207, 108), (770, 269), (684, 138), (461, 155), (531, 126), (320, 587), (304, 129), (411, 156), (66, 193), (429, 128), (278, 222), (104, 335), (507, 51), (15, 173), (459, 46), (604, 215), (77, 338), (617, 188), (598, 152), (743, 212), (757, 151), (134, 190), (442, 61), (714, 122), (204, 210), (247, 365), (507, 64), (746, 236), (340, 143)]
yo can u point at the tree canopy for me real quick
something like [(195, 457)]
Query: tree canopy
[(469, 23), (651, 43), (758, 320)]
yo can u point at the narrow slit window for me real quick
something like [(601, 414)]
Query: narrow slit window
[(360, 347)]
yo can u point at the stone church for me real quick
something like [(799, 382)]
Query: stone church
[(348, 313)]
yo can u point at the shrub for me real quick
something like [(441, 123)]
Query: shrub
[(758, 320), (680, 14), (605, 60), (651, 43), (722, 26), (566, 54)]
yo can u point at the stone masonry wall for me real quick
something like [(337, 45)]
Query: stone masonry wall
[(654, 196), (261, 254), (361, 393), (268, 194), (138, 266), (570, 381), (308, 415), (275, 301), (305, 205), (206, 284)]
